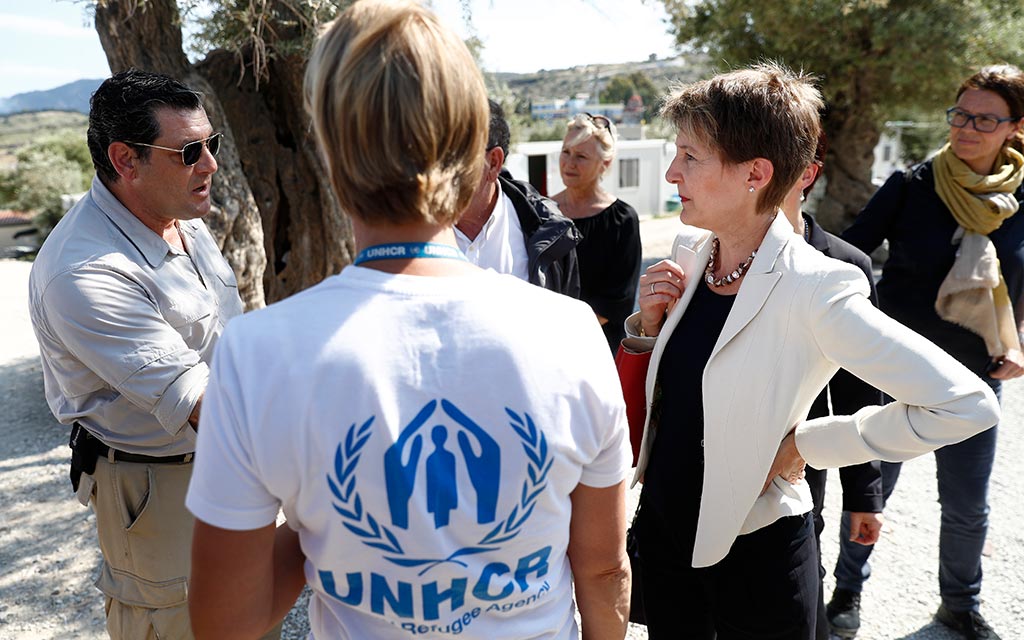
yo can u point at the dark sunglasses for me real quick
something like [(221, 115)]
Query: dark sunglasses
[(600, 122), (191, 152), (985, 124)]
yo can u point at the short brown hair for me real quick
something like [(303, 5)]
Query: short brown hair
[(1006, 81), (765, 111), (400, 112)]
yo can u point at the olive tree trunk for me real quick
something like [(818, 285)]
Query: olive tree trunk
[(306, 236), (851, 128), (848, 175)]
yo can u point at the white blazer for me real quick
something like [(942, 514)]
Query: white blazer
[(798, 317)]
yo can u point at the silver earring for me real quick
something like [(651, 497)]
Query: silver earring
[(751, 189), (802, 197)]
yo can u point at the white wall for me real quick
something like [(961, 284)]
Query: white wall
[(655, 155), (648, 198), (887, 156)]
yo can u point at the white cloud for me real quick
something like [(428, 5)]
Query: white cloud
[(570, 33), (19, 70), (42, 27)]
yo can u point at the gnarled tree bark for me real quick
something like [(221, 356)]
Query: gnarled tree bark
[(848, 185), (306, 237)]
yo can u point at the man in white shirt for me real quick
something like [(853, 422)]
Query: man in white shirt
[(511, 228)]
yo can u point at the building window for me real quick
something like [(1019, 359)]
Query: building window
[(629, 173)]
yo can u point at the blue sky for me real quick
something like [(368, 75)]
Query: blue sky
[(46, 43)]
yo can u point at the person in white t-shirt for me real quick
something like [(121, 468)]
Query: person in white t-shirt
[(448, 465)]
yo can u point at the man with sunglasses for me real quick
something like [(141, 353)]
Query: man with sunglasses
[(128, 296), (511, 228)]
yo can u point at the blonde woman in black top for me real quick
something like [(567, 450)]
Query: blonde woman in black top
[(609, 254)]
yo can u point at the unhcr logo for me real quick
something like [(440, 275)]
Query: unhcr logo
[(441, 493), (423, 464)]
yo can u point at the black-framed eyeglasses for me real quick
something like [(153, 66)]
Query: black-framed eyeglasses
[(601, 122), (191, 152), (983, 123)]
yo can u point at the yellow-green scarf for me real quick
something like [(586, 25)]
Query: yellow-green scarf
[(974, 294)]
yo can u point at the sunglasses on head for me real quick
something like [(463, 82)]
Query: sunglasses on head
[(191, 152), (600, 122)]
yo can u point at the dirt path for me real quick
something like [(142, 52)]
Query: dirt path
[(48, 552), (47, 540)]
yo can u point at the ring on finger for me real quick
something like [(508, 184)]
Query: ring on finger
[(652, 289)]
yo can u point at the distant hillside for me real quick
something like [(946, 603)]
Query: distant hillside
[(73, 96), (548, 84), (19, 129), (545, 84), (542, 85)]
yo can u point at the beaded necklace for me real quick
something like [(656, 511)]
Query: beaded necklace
[(709, 271)]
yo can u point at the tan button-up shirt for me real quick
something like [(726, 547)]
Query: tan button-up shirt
[(126, 324)]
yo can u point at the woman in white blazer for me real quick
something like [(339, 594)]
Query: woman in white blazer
[(738, 354)]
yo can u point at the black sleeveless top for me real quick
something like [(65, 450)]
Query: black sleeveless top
[(674, 477)]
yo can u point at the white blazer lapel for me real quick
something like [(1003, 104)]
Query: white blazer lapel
[(758, 282), (688, 259), (691, 248)]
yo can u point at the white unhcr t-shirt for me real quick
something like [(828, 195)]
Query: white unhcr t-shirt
[(422, 435)]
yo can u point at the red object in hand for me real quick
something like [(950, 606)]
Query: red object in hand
[(632, 369)]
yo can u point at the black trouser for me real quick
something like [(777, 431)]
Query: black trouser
[(816, 480), (765, 588)]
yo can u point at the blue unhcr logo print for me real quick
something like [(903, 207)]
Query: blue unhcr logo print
[(441, 492)]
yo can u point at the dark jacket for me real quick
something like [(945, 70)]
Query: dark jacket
[(862, 483), (550, 237), (908, 213)]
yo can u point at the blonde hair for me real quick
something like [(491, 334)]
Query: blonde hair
[(400, 113), (582, 128), (766, 111)]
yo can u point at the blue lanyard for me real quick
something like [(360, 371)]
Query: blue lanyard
[(408, 250)]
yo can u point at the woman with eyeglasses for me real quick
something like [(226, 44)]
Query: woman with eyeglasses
[(955, 274), (743, 328), (609, 254)]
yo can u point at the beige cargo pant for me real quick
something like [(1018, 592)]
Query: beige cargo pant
[(145, 536)]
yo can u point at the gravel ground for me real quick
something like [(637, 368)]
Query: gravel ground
[(48, 552)]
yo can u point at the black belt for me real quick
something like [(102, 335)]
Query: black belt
[(95, 447), (124, 456)]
